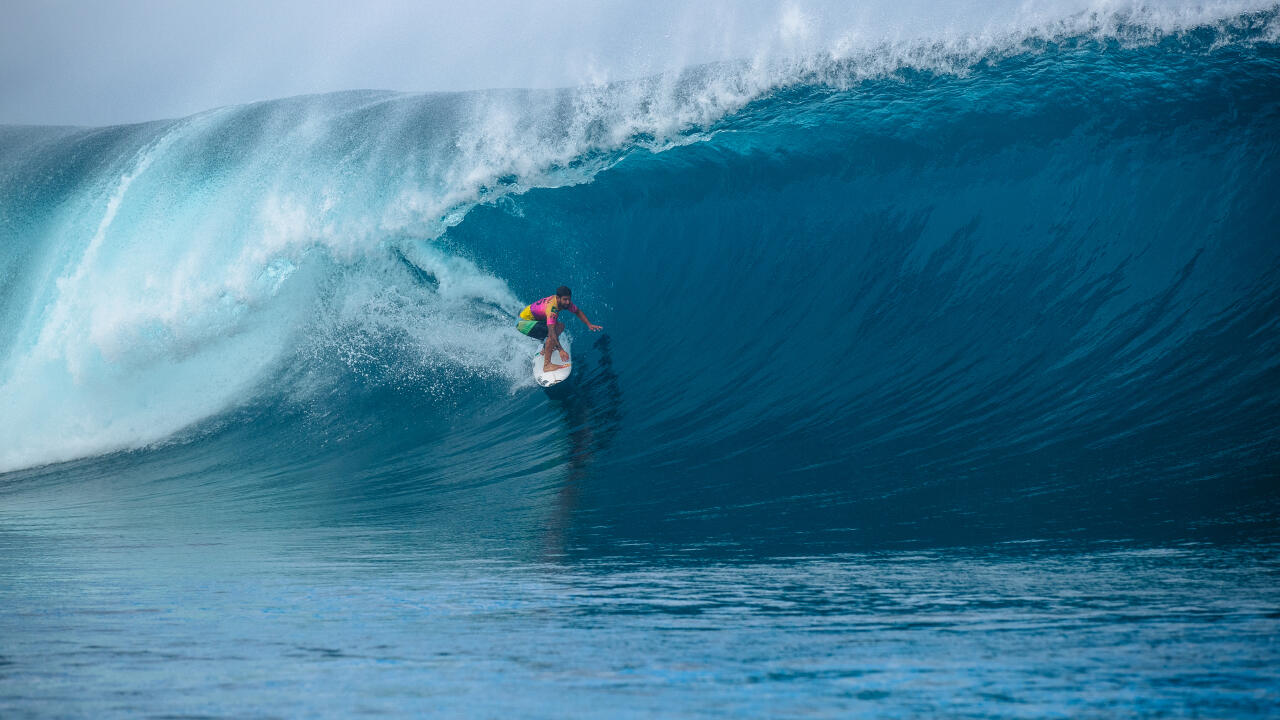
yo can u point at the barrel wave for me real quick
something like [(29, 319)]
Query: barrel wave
[(940, 375), (917, 294)]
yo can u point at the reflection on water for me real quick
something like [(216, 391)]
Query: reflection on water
[(591, 408)]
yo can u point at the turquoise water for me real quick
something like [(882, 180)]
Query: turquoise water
[(934, 381), (359, 621)]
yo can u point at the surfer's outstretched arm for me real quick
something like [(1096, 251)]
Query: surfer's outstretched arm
[(583, 317)]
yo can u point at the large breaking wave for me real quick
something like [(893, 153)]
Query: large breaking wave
[(982, 275)]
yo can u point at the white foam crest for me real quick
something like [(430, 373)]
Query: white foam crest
[(541, 139), (149, 328), (428, 338), (951, 42), (62, 313)]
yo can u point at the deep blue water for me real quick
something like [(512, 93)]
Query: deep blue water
[(946, 389)]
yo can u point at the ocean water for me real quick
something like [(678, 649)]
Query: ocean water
[(938, 377)]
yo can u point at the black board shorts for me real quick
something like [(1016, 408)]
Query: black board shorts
[(536, 330)]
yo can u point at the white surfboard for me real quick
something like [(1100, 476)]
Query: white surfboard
[(547, 379)]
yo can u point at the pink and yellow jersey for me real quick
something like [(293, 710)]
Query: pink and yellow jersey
[(547, 309)]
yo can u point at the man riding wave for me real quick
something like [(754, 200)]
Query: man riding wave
[(541, 321)]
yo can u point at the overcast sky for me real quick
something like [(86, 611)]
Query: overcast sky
[(112, 61), (99, 62)]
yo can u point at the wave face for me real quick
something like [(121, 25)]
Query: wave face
[(923, 292)]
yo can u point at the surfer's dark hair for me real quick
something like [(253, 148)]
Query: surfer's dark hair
[(563, 290)]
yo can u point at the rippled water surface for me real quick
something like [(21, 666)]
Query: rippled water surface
[(358, 621)]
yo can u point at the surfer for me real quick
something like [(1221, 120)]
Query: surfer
[(540, 321)]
